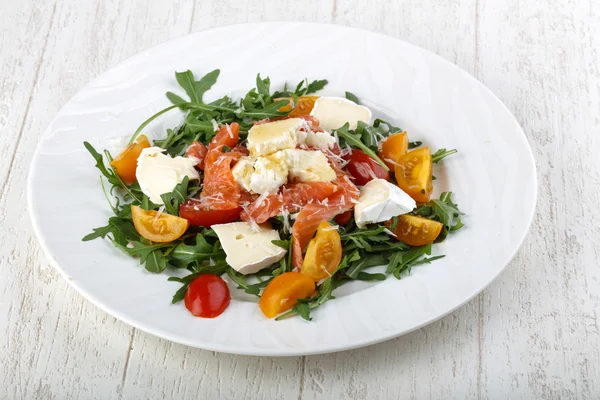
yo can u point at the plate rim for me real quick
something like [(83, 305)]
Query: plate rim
[(276, 352)]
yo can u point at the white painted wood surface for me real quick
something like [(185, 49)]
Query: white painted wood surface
[(534, 333)]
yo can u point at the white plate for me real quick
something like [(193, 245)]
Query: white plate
[(493, 179)]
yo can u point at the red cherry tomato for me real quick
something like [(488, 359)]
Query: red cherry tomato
[(343, 218), (363, 168), (207, 296), (197, 216)]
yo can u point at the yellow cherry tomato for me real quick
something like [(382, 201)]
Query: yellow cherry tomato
[(323, 254), (283, 292), (161, 228), (413, 174), (126, 163), (392, 148), (416, 231)]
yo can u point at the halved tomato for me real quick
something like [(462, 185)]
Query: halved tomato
[(343, 218), (416, 231), (207, 296), (161, 228), (413, 174), (283, 292), (197, 215), (126, 162), (324, 253), (392, 148), (363, 168), (303, 106)]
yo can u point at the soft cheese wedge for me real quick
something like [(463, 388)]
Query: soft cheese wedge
[(248, 251), (380, 201), (158, 173), (334, 112)]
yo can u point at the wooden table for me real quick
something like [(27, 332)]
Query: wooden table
[(534, 333)]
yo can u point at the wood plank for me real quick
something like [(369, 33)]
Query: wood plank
[(57, 345), (541, 337), (24, 30)]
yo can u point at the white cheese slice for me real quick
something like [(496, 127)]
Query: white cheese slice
[(242, 172), (268, 138), (334, 112), (249, 251), (158, 173), (307, 165), (380, 201), (319, 140)]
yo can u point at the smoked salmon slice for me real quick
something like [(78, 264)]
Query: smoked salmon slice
[(291, 199), (312, 215)]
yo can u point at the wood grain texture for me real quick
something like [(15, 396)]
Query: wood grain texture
[(533, 334)]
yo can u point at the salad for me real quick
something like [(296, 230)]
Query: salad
[(287, 195)]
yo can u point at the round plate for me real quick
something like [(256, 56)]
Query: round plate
[(492, 177)]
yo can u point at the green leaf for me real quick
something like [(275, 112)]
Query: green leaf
[(108, 174), (98, 232), (350, 96), (303, 310), (444, 211), (195, 89), (174, 199), (412, 145), (441, 154), (355, 141), (186, 254), (156, 262), (263, 86), (364, 276)]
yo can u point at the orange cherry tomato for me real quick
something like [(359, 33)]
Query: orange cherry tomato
[(392, 148), (303, 106), (288, 107), (413, 174), (323, 254), (416, 231), (161, 228), (283, 292), (126, 163)]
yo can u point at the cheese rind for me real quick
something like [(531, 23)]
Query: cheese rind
[(249, 251), (158, 173), (380, 201), (334, 112)]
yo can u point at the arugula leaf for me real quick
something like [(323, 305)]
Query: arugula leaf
[(98, 232), (444, 211), (354, 140), (156, 262), (303, 310), (174, 199), (441, 154), (350, 96), (108, 174), (364, 276), (194, 89), (184, 254), (412, 145), (240, 279)]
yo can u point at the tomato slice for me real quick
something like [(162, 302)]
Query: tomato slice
[(283, 292), (363, 168), (193, 211), (126, 163), (161, 228), (324, 253), (392, 148), (343, 218), (413, 174), (207, 296), (416, 231), (303, 106)]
